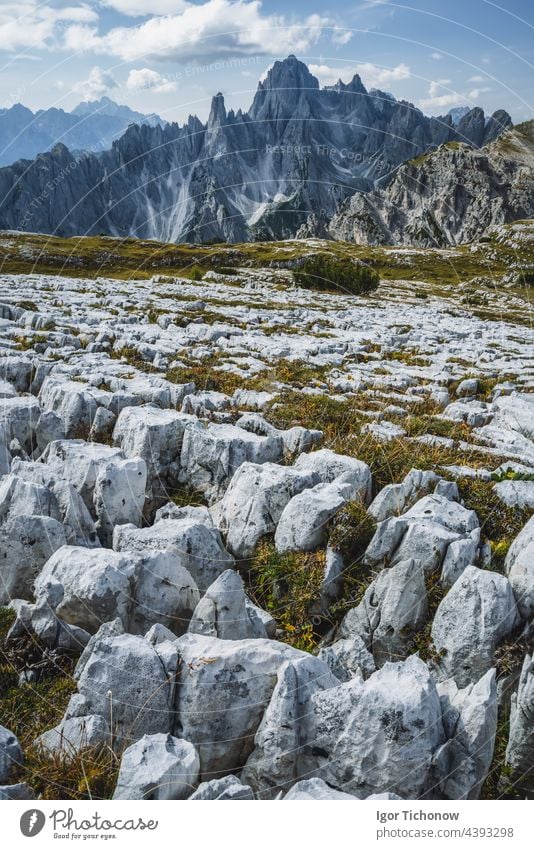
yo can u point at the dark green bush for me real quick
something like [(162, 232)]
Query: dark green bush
[(324, 273)]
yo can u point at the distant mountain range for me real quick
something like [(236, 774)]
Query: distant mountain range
[(91, 125), (286, 166), (447, 197)]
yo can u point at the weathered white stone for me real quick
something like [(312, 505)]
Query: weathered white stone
[(228, 788), (519, 567), (10, 754), (520, 749), (330, 466), (198, 546), (225, 612), (470, 722), (158, 766), (361, 737), (469, 386), (16, 792), (303, 525), (516, 493), (473, 413), (348, 658), (316, 789), (77, 521), (254, 501), (96, 585), (274, 764), (156, 436), (26, 543), (48, 429), (211, 455), (75, 734), (119, 495), (172, 511), (72, 402), (19, 497), (460, 554), (125, 681), (80, 463), (395, 498), (163, 593), (477, 613), (19, 417), (224, 688), (102, 425), (384, 431), (393, 609), (424, 533)]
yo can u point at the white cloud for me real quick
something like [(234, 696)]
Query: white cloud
[(211, 30), (478, 78), (437, 56), (475, 93), (435, 99), (145, 79), (342, 36), (438, 99), (372, 75), (33, 25), (141, 8), (442, 101), (98, 83)]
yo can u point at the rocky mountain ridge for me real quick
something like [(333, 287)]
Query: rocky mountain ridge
[(92, 125), (448, 197), (242, 176)]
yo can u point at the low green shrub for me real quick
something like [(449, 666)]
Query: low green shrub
[(325, 273)]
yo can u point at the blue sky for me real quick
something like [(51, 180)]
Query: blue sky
[(170, 56)]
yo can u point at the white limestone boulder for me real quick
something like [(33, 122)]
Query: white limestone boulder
[(125, 680), (72, 402), (520, 749), (226, 612), (361, 737), (224, 688), (80, 463), (519, 567), (119, 495), (163, 593), (475, 616), (156, 436), (158, 766), (199, 546), (97, 585), (470, 722), (211, 455), (394, 608), (303, 525), (228, 788), (315, 789), (329, 467), (348, 658), (254, 502), (395, 498), (26, 543)]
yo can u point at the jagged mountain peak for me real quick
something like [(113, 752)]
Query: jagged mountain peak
[(240, 176), (290, 73), (217, 116)]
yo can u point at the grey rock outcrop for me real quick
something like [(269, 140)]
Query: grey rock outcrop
[(284, 136), (158, 766), (477, 614)]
